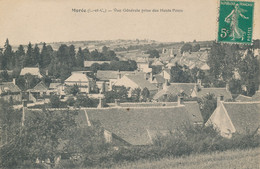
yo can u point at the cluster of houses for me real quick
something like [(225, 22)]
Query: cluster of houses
[(140, 123)]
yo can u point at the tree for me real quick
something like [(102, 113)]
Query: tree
[(46, 55), (9, 121), (186, 48), (36, 55), (84, 101), (249, 72), (29, 59), (4, 76), (196, 48), (135, 95), (19, 56), (117, 92), (153, 53), (80, 58), (74, 90), (8, 56), (55, 101), (207, 104), (40, 138), (145, 95), (181, 74)]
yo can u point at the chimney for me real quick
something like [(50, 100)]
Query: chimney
[(199, 82), (166, 84), (14, 81), (180, 101), (119, 75), (227, 87), (151, 77), (117, 102), (101, 103), (220, 99), (24, 101)]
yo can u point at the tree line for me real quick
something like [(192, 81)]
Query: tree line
[(59, 63)]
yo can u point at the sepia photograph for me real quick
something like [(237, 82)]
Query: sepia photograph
[(120, 84)]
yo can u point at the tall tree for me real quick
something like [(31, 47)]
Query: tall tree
[(8, 58), (19, 56), (45, 56), (29, 60), (36, 55), (249, 72), (80, 58)]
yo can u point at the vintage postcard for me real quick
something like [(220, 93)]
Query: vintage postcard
[(130, 84)]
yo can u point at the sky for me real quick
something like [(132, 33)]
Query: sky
[(53, 21)]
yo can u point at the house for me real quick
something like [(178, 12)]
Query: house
[(134, 81), (242, 98), (175, 89), (157, 80), (85, 83), (157, 63), (143, 64), (139, 125), (35, 71), (39, 91), (10, 90), (166, 73), (235, 117), (109, 77), (201, 92)]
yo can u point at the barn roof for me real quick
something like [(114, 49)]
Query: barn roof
[(141, 81), (132, 124), (175, 89), (244, 115), (110, 74), (216, 91), (9, 86), (158, 79), (78, 77), (35, 71), (256, 96), (54, 85), (242, 98), (40, 87)]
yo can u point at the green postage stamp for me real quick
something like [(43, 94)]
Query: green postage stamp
[(235, 22)]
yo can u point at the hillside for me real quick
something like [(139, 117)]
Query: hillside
[(238, 159)]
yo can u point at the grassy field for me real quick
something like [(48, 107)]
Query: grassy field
[(238, 159)]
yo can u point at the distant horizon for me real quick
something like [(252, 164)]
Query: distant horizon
[(56, 21)]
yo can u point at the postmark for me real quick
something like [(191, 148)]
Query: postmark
[(235, 22)]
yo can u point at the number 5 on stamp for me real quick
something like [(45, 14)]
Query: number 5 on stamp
[(235, 23)]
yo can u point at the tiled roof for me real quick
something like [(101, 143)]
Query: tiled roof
[(110, 74), (78, 77), (31, 70), (40, 87), (141, 81), (256, 96), (131, 124), (175, 89), (194, 111), (9, 87), (158, 79), (157, 63), (244, 115), (216, 91), (54, 85), (242, 98)]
